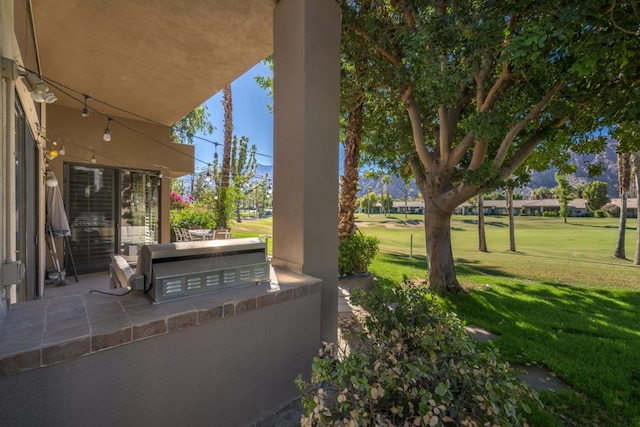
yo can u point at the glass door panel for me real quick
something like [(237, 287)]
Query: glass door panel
[(139, 217), (91, 199)]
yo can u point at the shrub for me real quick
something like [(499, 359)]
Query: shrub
[(356, 252), (191, 215), (419, 368), (176, 201), (549, 213), (611, 210)]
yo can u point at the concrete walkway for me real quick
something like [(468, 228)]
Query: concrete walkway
[(537, 377)]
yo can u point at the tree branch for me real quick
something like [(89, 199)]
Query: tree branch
[(416, 127), (480, 77), (479, 153), (408, 12), (445, 135), (384, 52), (527, 148), (499, 86), (513, 132), (459, 150), (503, 81)]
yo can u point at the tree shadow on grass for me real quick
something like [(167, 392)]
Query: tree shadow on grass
[(403, 260), (631, 228), (468, 268), (497, 224), (589, 338)]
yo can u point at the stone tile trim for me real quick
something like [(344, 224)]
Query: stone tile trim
[(41, 333)]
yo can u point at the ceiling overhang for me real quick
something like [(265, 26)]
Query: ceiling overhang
[(151, 59)]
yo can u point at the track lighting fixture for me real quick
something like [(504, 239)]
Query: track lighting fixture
[(85, 109), (107, 131), (38, 88)]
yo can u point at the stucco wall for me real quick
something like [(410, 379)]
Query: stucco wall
[(146, 148), (225, 373), (133, 144)]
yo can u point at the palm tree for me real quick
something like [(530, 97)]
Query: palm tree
[(225, 171), (624, 181), (636, 173), (349, 180), (386, 181)]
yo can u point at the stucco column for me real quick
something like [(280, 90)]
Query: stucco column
[(306, 110), (7, 150)]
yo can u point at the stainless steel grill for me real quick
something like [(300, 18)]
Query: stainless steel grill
[(177, 270)]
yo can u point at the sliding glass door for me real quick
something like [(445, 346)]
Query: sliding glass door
[(110, 211), (91, 199)]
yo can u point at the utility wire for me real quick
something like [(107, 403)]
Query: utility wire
[(132, 129), (66, 90)]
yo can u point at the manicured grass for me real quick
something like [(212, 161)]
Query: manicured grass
[(254, 228), (577, 253), (562, 301)]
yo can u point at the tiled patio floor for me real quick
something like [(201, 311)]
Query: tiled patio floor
[(86, 283)]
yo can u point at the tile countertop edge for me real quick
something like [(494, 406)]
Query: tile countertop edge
[(145, 320)]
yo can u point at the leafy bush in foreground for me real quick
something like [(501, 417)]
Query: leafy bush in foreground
[(191, 215), (420, 369), (356, 252)]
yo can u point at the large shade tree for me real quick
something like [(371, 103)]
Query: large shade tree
[(489, 87)]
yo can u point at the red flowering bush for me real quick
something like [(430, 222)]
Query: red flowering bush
[(177, 201)]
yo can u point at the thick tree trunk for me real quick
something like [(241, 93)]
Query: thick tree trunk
[(512, 229), (349, 181), (442, 272), (620, 253), (482, 238), (624, 180)]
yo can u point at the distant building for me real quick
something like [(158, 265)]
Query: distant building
[(576, 207), (412, 207), (632, 206)]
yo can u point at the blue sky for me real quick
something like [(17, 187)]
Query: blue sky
[(251, 118)]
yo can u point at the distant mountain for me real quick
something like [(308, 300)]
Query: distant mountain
[(538, 179), (396, 188), (610, 170)]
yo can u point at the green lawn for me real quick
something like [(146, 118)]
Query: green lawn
[(562, 301), (577, 253)]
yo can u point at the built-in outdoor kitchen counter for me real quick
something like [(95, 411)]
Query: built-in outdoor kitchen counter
[(40, 333)]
